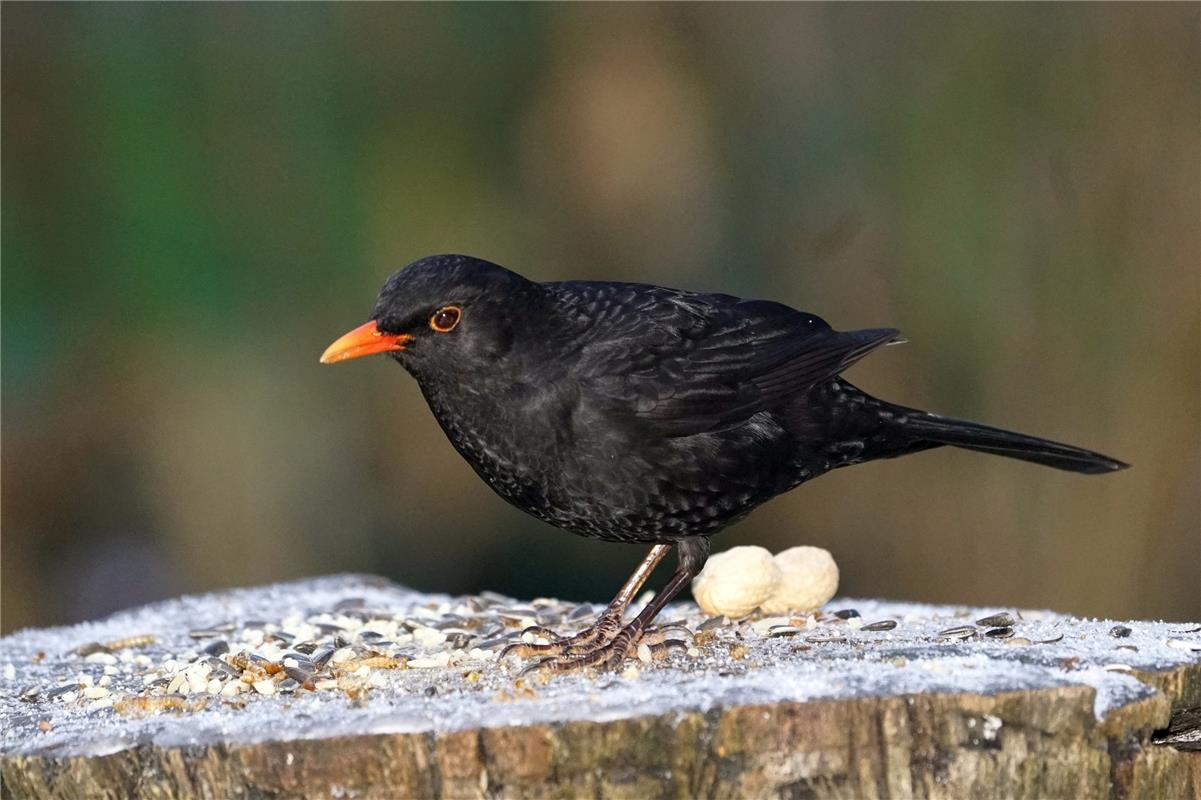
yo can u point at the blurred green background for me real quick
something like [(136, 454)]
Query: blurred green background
[(198, 198)]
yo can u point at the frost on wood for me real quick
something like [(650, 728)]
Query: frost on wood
[(351, 685)]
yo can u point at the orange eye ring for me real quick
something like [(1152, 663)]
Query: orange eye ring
[(445, 319)]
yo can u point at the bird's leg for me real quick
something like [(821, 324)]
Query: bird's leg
[(693, 554), (607, 624)]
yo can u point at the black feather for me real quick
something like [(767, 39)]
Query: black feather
[(987, 439)]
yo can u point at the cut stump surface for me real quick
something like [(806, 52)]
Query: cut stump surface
[(351, 686)]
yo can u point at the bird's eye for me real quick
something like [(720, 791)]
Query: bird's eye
[(446, 318)]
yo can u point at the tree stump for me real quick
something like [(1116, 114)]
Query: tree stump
[(350, 686)]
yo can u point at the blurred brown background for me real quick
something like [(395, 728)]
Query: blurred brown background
[(198, 198)]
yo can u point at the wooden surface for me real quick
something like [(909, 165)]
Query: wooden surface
[(897, 713)]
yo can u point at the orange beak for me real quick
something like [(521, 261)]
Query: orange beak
[(365, 340)]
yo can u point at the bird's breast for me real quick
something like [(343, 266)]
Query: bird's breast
[(578, 466), (514, 439)]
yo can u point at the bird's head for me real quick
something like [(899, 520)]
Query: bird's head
[(447, 311)]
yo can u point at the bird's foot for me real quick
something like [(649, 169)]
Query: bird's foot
[(610, 653), (606, 627)]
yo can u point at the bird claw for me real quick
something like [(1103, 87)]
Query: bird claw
[(543, 632), (533, 668), (602, 646), (609, 655), (523, 650), (603, 630)]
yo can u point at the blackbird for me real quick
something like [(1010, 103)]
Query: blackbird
[(637, 413)]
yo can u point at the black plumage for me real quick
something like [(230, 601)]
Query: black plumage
[(637, 413)]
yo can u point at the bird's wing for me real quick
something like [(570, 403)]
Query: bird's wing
[(685, 364)]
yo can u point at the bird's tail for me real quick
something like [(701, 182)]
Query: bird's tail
[(932, 428)]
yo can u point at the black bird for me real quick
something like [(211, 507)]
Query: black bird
[(636, 413)]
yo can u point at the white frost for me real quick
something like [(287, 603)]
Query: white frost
[(837, 661)]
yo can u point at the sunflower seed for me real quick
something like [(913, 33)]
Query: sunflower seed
[(521, 610), (958, 632), (674, 646), (204, 633), (225, 669), (846, 613), (1119, 631), (361, 614), (1182, 644), (349, 603), (1002, 620), (825, 639), (882, 625), (298, 674), (580, 612), (1058, 638), (999, 633), (59, 691), (326, 628), (783, 630), (711, 623), (219, 647), (680, 629)]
